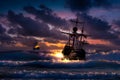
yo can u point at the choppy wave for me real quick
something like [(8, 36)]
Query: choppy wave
[(51, 64), (25, 65), (42, 60), (62, 75), (45, 70)]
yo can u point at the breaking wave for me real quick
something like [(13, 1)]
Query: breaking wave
[(22, 65), (49, 70), (96, 60), (51, 64)]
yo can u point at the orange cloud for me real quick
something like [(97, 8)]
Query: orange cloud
[(18, 44), (61, 44), (54, 44), (98, 41)]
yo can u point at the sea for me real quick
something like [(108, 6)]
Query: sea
[(21, 65)]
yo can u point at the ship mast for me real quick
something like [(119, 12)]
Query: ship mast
[(79, 41)]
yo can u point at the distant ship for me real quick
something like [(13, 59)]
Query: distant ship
[(36, 46), (36, 49), (73, 49)]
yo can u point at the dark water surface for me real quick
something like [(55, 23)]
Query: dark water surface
[(28, 67)]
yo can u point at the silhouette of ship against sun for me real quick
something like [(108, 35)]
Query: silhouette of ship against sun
[(74, 50), (36, 46), (36, 49)]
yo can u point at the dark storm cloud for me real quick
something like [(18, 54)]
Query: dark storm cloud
[(32, 27), (2, 30), (16, 30), (84, 5), (117, 22), (4, 38), (116, 31), (17, 5), (51, 40), (46, 15), (29, 26), (97, 28), (26, 41)]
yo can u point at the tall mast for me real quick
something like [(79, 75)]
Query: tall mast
[(77, 22), (75, 32)]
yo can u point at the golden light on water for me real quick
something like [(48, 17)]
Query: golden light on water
[(57, 54), (59, 57), (66, 60)]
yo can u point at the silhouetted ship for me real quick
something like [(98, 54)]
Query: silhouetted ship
[(37, 50), (73, 50), (36, 46)]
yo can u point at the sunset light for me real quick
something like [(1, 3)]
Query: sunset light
[(58, 55), (65, 60)]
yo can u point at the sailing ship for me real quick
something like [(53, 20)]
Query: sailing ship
[(73, 49), (36, 46), (36, 49)]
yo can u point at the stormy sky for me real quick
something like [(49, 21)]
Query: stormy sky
[(23, 22)]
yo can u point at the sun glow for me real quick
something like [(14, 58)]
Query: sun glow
[(59, 57), (57, 54), (65, 60), (98, 41)]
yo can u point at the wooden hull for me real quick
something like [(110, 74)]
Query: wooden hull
[(72, 54)]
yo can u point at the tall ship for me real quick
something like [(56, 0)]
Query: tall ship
[(74, 48)]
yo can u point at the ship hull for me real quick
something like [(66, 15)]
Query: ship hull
[(72, 54), (81, 54), (77, 55)]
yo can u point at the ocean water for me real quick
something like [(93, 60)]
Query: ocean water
[(24, 66)]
